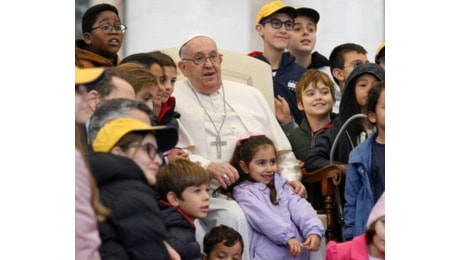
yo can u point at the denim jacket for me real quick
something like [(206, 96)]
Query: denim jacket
[(359, 198)]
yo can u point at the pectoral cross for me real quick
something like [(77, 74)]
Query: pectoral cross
[(218, 144)]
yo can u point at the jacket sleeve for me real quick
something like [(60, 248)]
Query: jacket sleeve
[(261, 218), (352, 186), (139, 226), (319, 154), (304, 215), (331, 250), (183, 242)]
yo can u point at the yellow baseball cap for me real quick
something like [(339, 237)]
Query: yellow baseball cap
[(111, 133), (273, 7), (87, 75)]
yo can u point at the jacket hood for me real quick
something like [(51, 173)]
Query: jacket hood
[(366, 68)]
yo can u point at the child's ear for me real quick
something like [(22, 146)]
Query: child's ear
[(87, 38), (300, 106), (259, 28), (117, 151), (338, 74), (172, 199), (204, 255), (244, 167)]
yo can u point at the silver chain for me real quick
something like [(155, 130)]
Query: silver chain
[(201, 104)]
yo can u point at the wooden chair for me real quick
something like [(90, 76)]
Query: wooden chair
[(330, 177)]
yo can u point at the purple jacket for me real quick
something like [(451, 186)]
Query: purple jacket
[(274, 225)]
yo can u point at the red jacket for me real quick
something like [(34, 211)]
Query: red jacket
[(355, 249)]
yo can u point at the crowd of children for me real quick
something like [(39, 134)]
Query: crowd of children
[(195, 171)]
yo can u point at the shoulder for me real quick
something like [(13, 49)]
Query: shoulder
[(235, 89), (245, 188), (236, 85), (280, 180), (364, 147)]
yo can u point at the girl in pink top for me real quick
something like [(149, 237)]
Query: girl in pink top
[(369, 245)]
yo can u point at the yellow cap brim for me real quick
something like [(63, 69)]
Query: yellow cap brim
[(87, 75)]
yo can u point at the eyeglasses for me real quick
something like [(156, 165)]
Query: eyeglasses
[(151, 150), (107, 28), (213, 57), (277, 23), (355, 64)]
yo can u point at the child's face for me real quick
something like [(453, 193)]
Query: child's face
[(141, 156), (277, 39), (379, 237), (263, 165), (303, 37), (170, 77), (378, 117), (317, 100), (222, 252), (101, 43), (157, 72), (149, 96), (362, 86), (195, 201), (351, 59)]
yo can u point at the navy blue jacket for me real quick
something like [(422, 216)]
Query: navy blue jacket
[(285, 80), (181, 232)]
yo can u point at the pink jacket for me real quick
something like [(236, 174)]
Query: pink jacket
[(87, 239), (355, 249)]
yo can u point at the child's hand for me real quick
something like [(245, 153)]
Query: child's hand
[(294, 247), (312, 243)]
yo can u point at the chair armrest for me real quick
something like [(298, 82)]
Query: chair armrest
[(333, 172), (330, 177)]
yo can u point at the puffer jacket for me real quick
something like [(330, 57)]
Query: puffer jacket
[(181, 232), (134, 228)]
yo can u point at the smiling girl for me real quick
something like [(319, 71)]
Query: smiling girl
[(285, 225)]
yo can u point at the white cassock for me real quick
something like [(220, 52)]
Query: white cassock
[(246, 110)]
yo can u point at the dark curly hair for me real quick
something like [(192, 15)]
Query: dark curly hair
[(221, 234), (90, 16)]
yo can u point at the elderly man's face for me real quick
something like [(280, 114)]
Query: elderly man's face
[(205, 76)]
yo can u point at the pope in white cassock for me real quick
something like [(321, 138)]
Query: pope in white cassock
[(213, 114)]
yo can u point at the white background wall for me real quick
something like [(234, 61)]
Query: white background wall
[(157, 24)]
